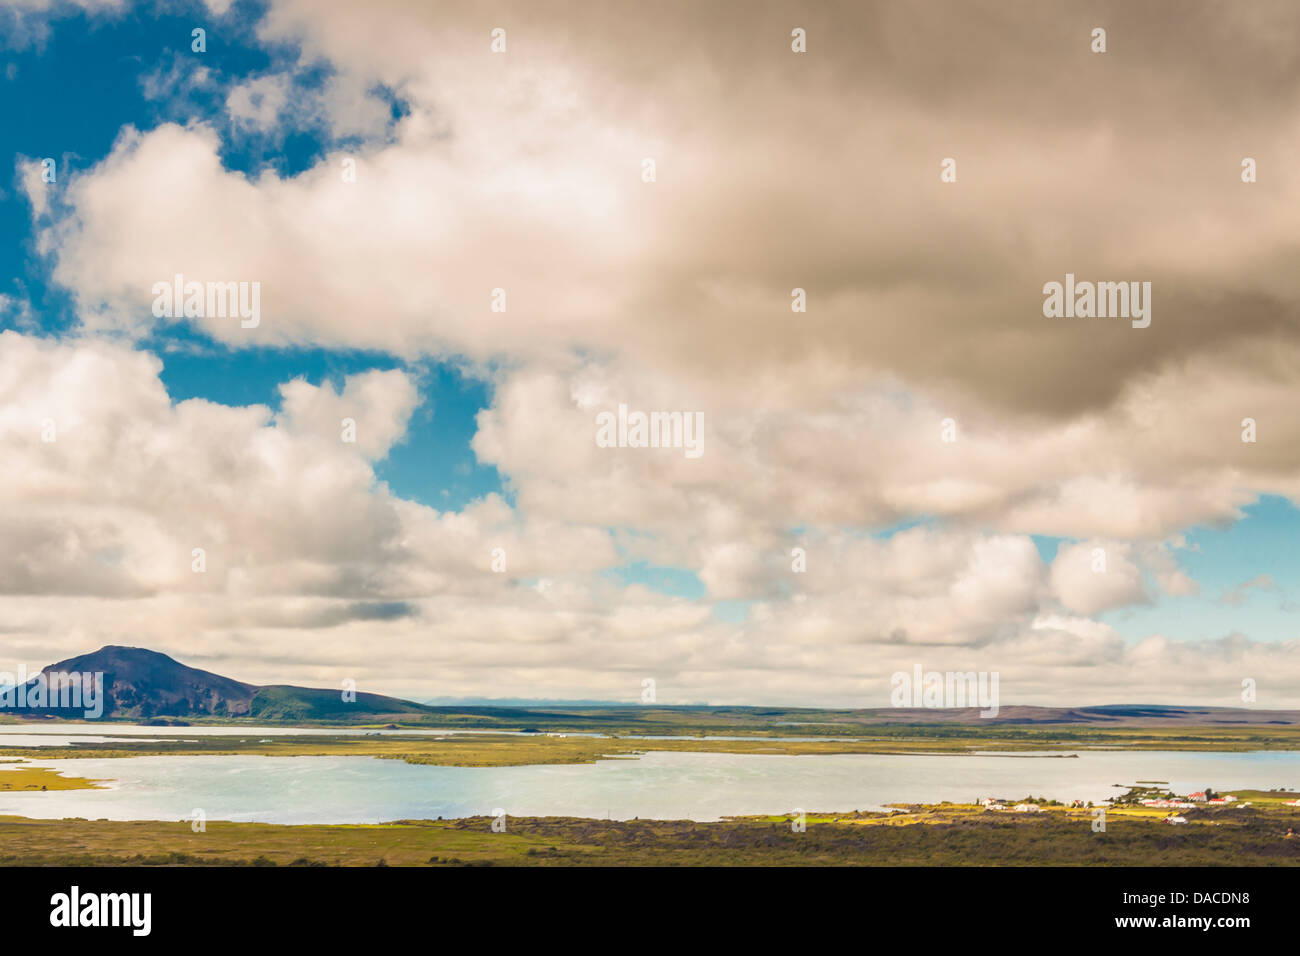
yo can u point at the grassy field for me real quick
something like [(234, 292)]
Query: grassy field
[(943, 835), (1267, 729), (496, 750), (41, 778)]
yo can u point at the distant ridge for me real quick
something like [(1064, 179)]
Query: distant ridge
[(142, 684), (518, 702), (1116, 715)]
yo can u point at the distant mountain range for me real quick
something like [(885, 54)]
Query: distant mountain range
[(1114, 715), (140, 684), (517, 702)]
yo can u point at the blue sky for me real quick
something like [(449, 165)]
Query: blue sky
[(75, 115), (1221, 560), (1262, 543), (558, 193), (70, 97)]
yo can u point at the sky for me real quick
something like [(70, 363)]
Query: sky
[(470, 244)]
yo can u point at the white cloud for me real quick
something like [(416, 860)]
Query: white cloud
[(259, 102), (378, 405), (522, 172), (1095, 576)]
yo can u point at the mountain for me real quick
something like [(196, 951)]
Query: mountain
[(142, 684)]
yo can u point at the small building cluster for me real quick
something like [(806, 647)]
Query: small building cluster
[(993, 803), (1190, 801)]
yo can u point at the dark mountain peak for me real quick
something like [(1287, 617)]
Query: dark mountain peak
[(143, 664), (140, 683), (124, 652)]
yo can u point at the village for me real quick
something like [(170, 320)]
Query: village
[(1136, 796)]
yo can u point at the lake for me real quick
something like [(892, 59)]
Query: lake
[(697, 786)]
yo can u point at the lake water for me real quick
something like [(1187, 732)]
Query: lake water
[(660, 785)]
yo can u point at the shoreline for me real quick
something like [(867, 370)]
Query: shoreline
[(906, 835)]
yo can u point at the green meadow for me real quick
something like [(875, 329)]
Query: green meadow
[(943, 835)]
